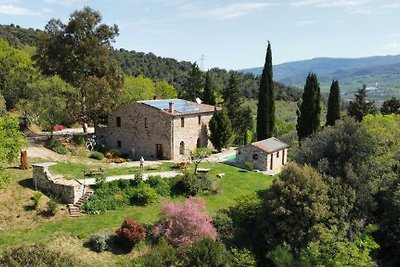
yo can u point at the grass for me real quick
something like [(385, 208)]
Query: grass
[(235, 183), (73, 170)]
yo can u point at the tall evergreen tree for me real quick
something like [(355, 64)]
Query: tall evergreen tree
[(193, 86), (266, 100), (233, 100), (308, 116), (220, 129), (209, 91), (333, 113), (361, 107)]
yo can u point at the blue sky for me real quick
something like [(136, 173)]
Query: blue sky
[(233, 34)]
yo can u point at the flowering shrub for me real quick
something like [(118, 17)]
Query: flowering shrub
[(57, 128), (184, 223), (130, 233)]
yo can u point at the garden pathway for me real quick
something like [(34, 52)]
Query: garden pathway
[(92, 181)]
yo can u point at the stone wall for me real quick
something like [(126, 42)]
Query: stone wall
[(193, 133), (68, 190), (262, 160), (142, 130)]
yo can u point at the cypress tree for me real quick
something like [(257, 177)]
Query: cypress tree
[(220, 129), (194, 84), (209, 91), (233, 100), (308, 117), (266, 100), (360, 106), (333, 113)]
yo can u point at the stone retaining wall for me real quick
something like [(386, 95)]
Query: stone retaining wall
[(68, 190)]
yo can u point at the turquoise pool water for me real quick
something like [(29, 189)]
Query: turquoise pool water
[(230, 158)]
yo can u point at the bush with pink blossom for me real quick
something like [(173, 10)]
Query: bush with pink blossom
[(184, 223)]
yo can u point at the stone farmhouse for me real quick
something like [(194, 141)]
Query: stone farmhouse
[(157, 129), (268, 155)]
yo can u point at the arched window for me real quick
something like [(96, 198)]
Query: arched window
[(198, 143), (182, 148)]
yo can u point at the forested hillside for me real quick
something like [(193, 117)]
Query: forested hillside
[(157, 68)]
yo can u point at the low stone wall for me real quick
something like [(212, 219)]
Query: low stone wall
[(68, 190)]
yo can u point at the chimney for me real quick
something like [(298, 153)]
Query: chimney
[(171, 107)]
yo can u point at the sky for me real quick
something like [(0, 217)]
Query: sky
[(233, 34)]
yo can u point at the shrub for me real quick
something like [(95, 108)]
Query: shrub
[(246, 210), (78, 140), (52, 206), (223, 223), (112, 153), (138, 178), (281, 256), (98, 242), (242, 258), (161, 185), (57, 146), (161, 255), (186, 184), (130, 233), (143, 195), (36, 199), (207, 252), (184, 223), (37, 255), (249, 166), (4, 178), (96, 155)]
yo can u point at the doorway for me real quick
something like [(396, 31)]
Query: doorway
[(159, 151)]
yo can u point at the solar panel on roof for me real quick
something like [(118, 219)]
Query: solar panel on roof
[(180, 105)]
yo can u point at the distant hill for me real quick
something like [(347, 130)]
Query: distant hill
[(380, 71)]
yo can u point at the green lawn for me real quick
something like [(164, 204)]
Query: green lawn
[(235, 183), (72, 170)]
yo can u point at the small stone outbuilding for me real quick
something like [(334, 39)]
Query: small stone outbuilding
[(157, 129), (268, 155)]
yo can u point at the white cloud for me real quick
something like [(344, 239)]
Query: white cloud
[(227, 11), (17, 11), (391, 6), (302, 23), (329, 3)]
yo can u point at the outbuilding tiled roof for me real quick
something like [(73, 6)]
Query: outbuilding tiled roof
[(270, 145), (180, 106)]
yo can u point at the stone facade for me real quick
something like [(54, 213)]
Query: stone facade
[(68, 190), (270, 161), (139, 129)]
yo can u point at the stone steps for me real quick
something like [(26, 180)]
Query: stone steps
[(75, 209)]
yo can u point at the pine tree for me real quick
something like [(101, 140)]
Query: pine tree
[(333, 113), (233, 100), (360, 107), (308, 117), (220, 129), (209, 91), (266, 100), (194, 84)]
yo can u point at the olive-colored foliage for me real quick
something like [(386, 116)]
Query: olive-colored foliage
[(11, 139), (83, 61), (48, 105), (143, 195), (3, 108), (361, 107), (242, 258), (331, 249), (207, 253), (281, 256), (296, 202), (333, 149), (161, 255), (16, 72), (37, 255)]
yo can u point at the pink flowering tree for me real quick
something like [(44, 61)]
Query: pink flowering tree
[(184, 223)]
